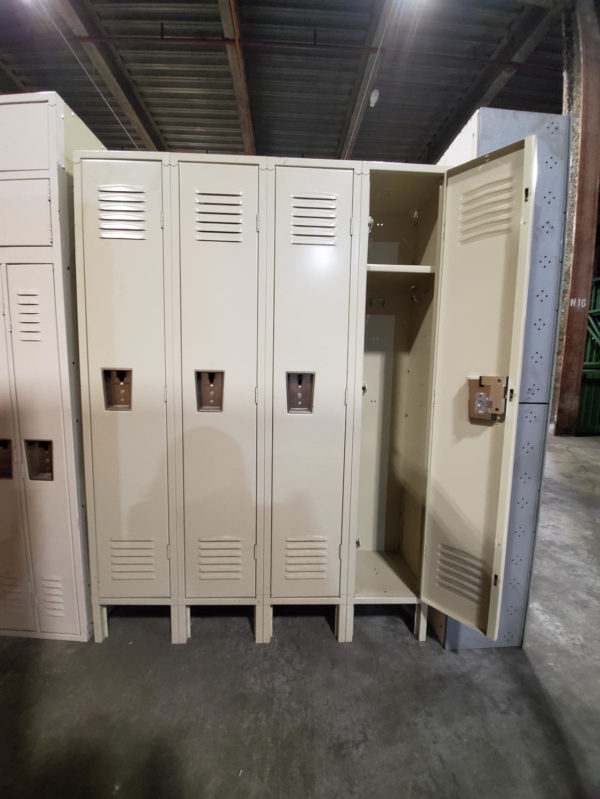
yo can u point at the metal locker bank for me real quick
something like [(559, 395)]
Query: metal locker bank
[(300, 380), (43, 570)]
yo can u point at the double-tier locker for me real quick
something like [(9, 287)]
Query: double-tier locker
[(43, 574)]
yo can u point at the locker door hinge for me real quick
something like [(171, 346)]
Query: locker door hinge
[(165, 393), (256, 395), (257, 223), (254, 551), (162, 218), (352, 226), (345, 396), (168, 551), (340, 552)]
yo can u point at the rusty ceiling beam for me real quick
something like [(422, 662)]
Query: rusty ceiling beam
[(584, 219), (231, 32)]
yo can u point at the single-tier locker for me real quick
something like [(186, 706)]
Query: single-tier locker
[(43, 573), (307, 381)]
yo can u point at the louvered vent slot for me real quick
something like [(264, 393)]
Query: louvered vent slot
[(12, 594), (306, 558), (314, 218), (219, 217), (28, 315), (132, 560), (52, 596), (461, 573), (122, 212), (486, 210), (220, 558)]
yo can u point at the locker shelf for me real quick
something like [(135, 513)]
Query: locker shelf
[(416, 269), (383, 578)]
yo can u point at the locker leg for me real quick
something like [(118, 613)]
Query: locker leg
[(263, 623), (349, 623), (341, 623), (420, 630), (100, 619), (178, 624), (188, 621)]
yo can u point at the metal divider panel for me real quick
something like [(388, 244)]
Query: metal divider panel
[(16, 609), (219, 296), (124, 299), (312, 284), (39, 402), (480, 332)]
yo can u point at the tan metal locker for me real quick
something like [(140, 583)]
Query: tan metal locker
[(125, 329), (481, 315), (37, 376), (313, 213), (43, 583), (218, 206), (16, 607)]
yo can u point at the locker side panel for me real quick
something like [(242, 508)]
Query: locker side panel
[(37, 377), (219, 282), (16, 611), (312, 284), (124, 308)]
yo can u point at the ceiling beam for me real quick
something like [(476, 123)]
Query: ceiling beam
[(114, 77), (519, 42), (231, 32), (370, 68)]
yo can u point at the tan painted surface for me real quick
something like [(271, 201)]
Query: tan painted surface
[(480, 326), (312, 287), (218, 205), (124, 298)]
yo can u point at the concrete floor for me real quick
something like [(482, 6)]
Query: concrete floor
[(307, 718)]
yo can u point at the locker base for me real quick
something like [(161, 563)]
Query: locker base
[(341, 616), (419, 626), (179, 621)]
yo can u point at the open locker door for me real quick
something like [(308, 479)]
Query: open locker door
[(481, 319)]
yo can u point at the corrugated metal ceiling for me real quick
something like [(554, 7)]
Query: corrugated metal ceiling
[(304, 68)]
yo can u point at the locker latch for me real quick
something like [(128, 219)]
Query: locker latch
[(487, 398), (300, 387)]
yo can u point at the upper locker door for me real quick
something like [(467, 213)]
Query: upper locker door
[(481, 320), (219, 283), (312, 287), (39, 406), (124, 301), (16, 608)]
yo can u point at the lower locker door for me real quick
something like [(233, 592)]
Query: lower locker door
[(124, 300), (37, 377), (312, 285), (16, 608), (219, 280)]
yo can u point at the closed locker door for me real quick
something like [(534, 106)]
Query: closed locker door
[(312, 285), (16, 609), (124, 305), (39, 406), (219, 282)]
